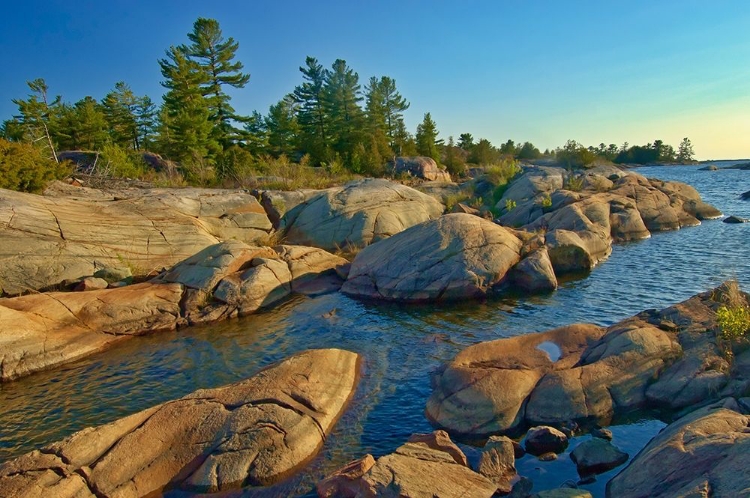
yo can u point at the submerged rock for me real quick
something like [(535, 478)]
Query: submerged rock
[(251, 433), (702, 454), (596, 456), (735, 219), (545, 439), (456, 256), (357, 214)]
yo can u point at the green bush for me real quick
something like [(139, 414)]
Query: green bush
[(734, 321), (235, 165), (510, 204), (574, 183), (546, 202), (24, 168), (501, 173), (120, 163)]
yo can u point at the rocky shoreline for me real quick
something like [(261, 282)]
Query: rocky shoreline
[(214, 256)]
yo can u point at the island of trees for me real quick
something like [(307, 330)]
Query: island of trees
[(330, 121)]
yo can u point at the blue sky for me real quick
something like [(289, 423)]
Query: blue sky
[(541, 71)]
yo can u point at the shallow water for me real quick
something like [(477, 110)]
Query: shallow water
[(401, 345)]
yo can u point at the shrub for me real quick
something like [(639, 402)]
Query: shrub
[(501, 173), (574, 183), (118, 162), (24, 168), (510, 204), (546, 202), (734, 322)]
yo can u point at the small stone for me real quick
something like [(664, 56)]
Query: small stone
[(113, 274), (548, 457), (91, 283), (544, 439), (518, 450), (602, 433)]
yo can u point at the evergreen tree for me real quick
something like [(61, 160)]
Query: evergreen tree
[(120, 107), (312, 117), (37, 116), (466, 141), (145, 119), (427, 143), (256, 134), (385, 106), (282, 127), (342, 97), (83, 126), (215, 58), (186, 128), (685, 152), (404, 143)]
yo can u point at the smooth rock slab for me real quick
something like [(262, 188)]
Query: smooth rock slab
[(454, 257), (705, 453), (251, 433), (357, 214), (51, 238), (39, 331)]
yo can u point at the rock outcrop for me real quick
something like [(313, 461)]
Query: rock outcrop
[(580, 226), (251, 433), (420, 167), (357, 214), (667, 359), (72, 232), (596, 456), (456, 256), (427, 465), (40, 331), (702, 454)]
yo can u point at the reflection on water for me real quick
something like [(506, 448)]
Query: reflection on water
[(402, 345)]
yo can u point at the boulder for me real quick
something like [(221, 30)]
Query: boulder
[(454, 257), (357, 214), (745, 196), (313, 270), (265, 282), (420, 167), (575, 251), (666, 359), (114, 274), (703, 453), (251, 433), (441, 191), (534, 180), (544, 439), (498, 463), (74, 231), (468, 397), (427, 465), (278, 202), (534, 273), (596, 455), (91, 283), (710, 167), (40, 331)]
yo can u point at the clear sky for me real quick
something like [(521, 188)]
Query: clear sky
[(542, 71)]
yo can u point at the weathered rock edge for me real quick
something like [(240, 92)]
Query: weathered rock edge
[(71, 232), (255, 432), (41, 331), (703, 453), (668, 359)]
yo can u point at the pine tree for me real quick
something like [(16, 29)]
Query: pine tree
[(256, 134), (215, 57), (312, 116), (427, 143), (83, 126), (685, 151), (385, 107), (186, 128), (145, 119), (282, 127), (37, 116), (119, 107), (342, 98)]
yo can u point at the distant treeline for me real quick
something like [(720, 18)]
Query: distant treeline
[(328, 120)]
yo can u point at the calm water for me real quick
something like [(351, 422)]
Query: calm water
[(401, 345)]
